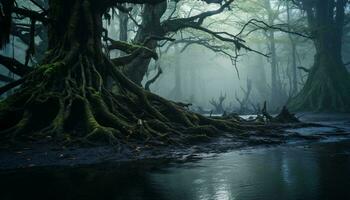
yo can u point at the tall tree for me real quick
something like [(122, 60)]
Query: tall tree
[(328, 84)]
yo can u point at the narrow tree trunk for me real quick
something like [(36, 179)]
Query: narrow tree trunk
[(260, 82), (278, 95), (274, 82), (178, 94), (293, 51), (193, 87), (294, 68)]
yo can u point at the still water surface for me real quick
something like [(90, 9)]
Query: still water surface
[(304, 171)]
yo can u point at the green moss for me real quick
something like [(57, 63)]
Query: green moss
[(129, 48), (125, 46), (52, 68), (92, 124)]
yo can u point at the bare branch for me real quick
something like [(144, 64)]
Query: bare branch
[(11, 85), (4, 78), (31, 14), (262, 25), (14, 66), (151, 81)]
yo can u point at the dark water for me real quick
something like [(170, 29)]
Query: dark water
[(312, 171)]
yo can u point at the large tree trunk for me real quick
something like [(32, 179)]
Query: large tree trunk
[(67, 98), (328, 84), (150, 27), (59, 95)]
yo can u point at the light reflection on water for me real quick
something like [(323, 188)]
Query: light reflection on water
[(315, 171), (273, 173)]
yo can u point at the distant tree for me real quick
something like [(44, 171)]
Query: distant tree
[(218, 104)]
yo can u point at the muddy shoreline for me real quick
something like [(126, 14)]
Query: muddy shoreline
[(44, 154)]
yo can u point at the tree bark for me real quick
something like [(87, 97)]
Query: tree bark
[(328, 85), (149, 27)]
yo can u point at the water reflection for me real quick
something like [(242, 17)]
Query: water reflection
[(319, 171), (122, 181)]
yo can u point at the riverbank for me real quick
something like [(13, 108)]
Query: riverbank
[(315, 127)]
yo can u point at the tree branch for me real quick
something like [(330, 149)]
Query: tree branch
[(132, 50), (174, 25), (151, 81), (14, 66), (5, 78), (265, 26), (11, 85), (31, 14)]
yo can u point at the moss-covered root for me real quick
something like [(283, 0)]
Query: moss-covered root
[(71, 104), (326, 90)]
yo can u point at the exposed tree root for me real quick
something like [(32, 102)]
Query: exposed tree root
[(323, 95), (68, 101), (327, 88)]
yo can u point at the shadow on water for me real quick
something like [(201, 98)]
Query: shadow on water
[(117, 181), (308, 171)]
